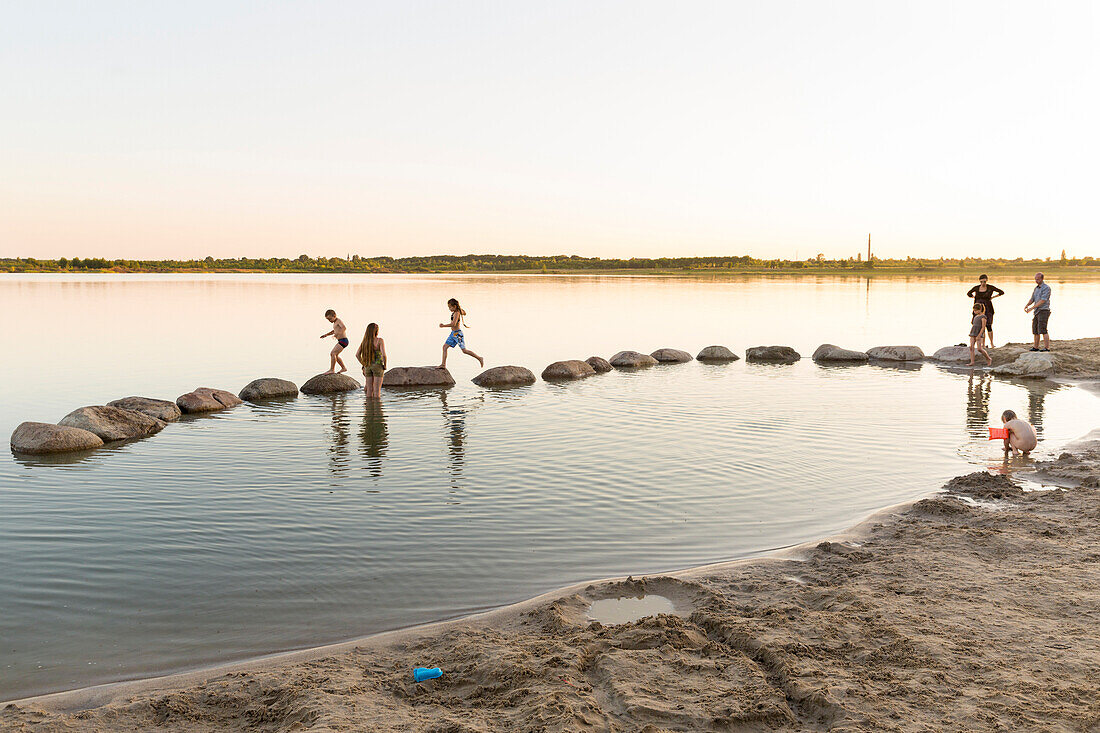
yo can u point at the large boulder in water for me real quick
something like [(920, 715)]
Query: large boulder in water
[(112, 423), (1028, 365), (329, 384), (418, 377), (41, 437), (716, 353), (951, 354), (505, 376), (569, 369), (160, 409), (772, 354), (206, 399), (832, 352), (267, 388), (600, 364), (671, 356), (631, 360), (895, 353)]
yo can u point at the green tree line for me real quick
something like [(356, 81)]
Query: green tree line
[(518, 263)]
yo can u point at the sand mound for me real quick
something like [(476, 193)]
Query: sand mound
[(983, 485), (1082, 469)]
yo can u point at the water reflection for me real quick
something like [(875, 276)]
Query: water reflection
[(1013, 463), (454, 420), (897, 366), (375, 436), (339, 437), (977, 405), (1036, 402)]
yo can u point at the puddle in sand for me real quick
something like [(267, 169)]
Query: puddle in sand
[(631, 608)]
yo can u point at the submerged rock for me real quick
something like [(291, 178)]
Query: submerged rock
[(772, 354), (832, 352), (1028, 365), (505, 376), (268, 388), (716, 353), (41, 437), (671, 356), (329, 384), (631, 360), (569, 369), (418, 377), (951, 354), (896, 353), (160, 409), (112, 423), (206, 399), (600, 364)]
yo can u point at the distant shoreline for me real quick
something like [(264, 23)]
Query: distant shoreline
[(557, 264), (971, 271)]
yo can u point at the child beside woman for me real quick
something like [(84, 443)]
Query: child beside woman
[(978, 325), (372, 355)]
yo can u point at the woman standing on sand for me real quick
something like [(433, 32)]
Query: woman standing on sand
[(457, 338), (984, 293), (372, 355)]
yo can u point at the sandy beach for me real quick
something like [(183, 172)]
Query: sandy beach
[(972, 609)]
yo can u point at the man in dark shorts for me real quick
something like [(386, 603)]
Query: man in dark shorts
[(1040, 306)]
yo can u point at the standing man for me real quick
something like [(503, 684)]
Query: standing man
[(1040, 305)]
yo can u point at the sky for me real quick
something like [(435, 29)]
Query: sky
[(150, 129)]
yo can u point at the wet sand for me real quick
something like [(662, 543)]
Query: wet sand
[(973, 609)]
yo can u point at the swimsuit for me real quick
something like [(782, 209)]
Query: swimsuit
[(343, 342), (377, 366), (976, 325), (456, 339)]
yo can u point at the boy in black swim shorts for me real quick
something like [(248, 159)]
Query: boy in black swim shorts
[(340, 331)]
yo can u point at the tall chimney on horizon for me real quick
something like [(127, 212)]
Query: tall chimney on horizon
[(868, 246)]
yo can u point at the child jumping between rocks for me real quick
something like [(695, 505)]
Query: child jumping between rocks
[(456, 338)]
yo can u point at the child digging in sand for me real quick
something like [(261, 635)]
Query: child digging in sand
[(977, 334), (456, 338), (340, 331), (1020, 436)]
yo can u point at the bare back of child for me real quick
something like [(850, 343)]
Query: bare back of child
[(340, 332), (1020, 435)]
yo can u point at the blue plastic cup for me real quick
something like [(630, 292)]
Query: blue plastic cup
[(426, 673)]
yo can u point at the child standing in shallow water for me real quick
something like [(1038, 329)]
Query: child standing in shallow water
[(372, 355), (456, 338), (340, 331), (977, 334)]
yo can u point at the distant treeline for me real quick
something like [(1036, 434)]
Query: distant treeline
[(521, 263)]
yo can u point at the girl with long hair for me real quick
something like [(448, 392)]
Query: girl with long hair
[(456, 338), (978, 325), (372, 355), (984, 293)]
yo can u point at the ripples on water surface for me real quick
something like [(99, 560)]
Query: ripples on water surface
[(312, 520)]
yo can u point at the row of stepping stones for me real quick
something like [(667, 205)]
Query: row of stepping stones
[(138, 417)]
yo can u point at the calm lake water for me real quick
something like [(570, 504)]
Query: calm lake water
[(272, 527)]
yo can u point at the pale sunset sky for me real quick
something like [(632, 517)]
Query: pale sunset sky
[(614, 129)]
